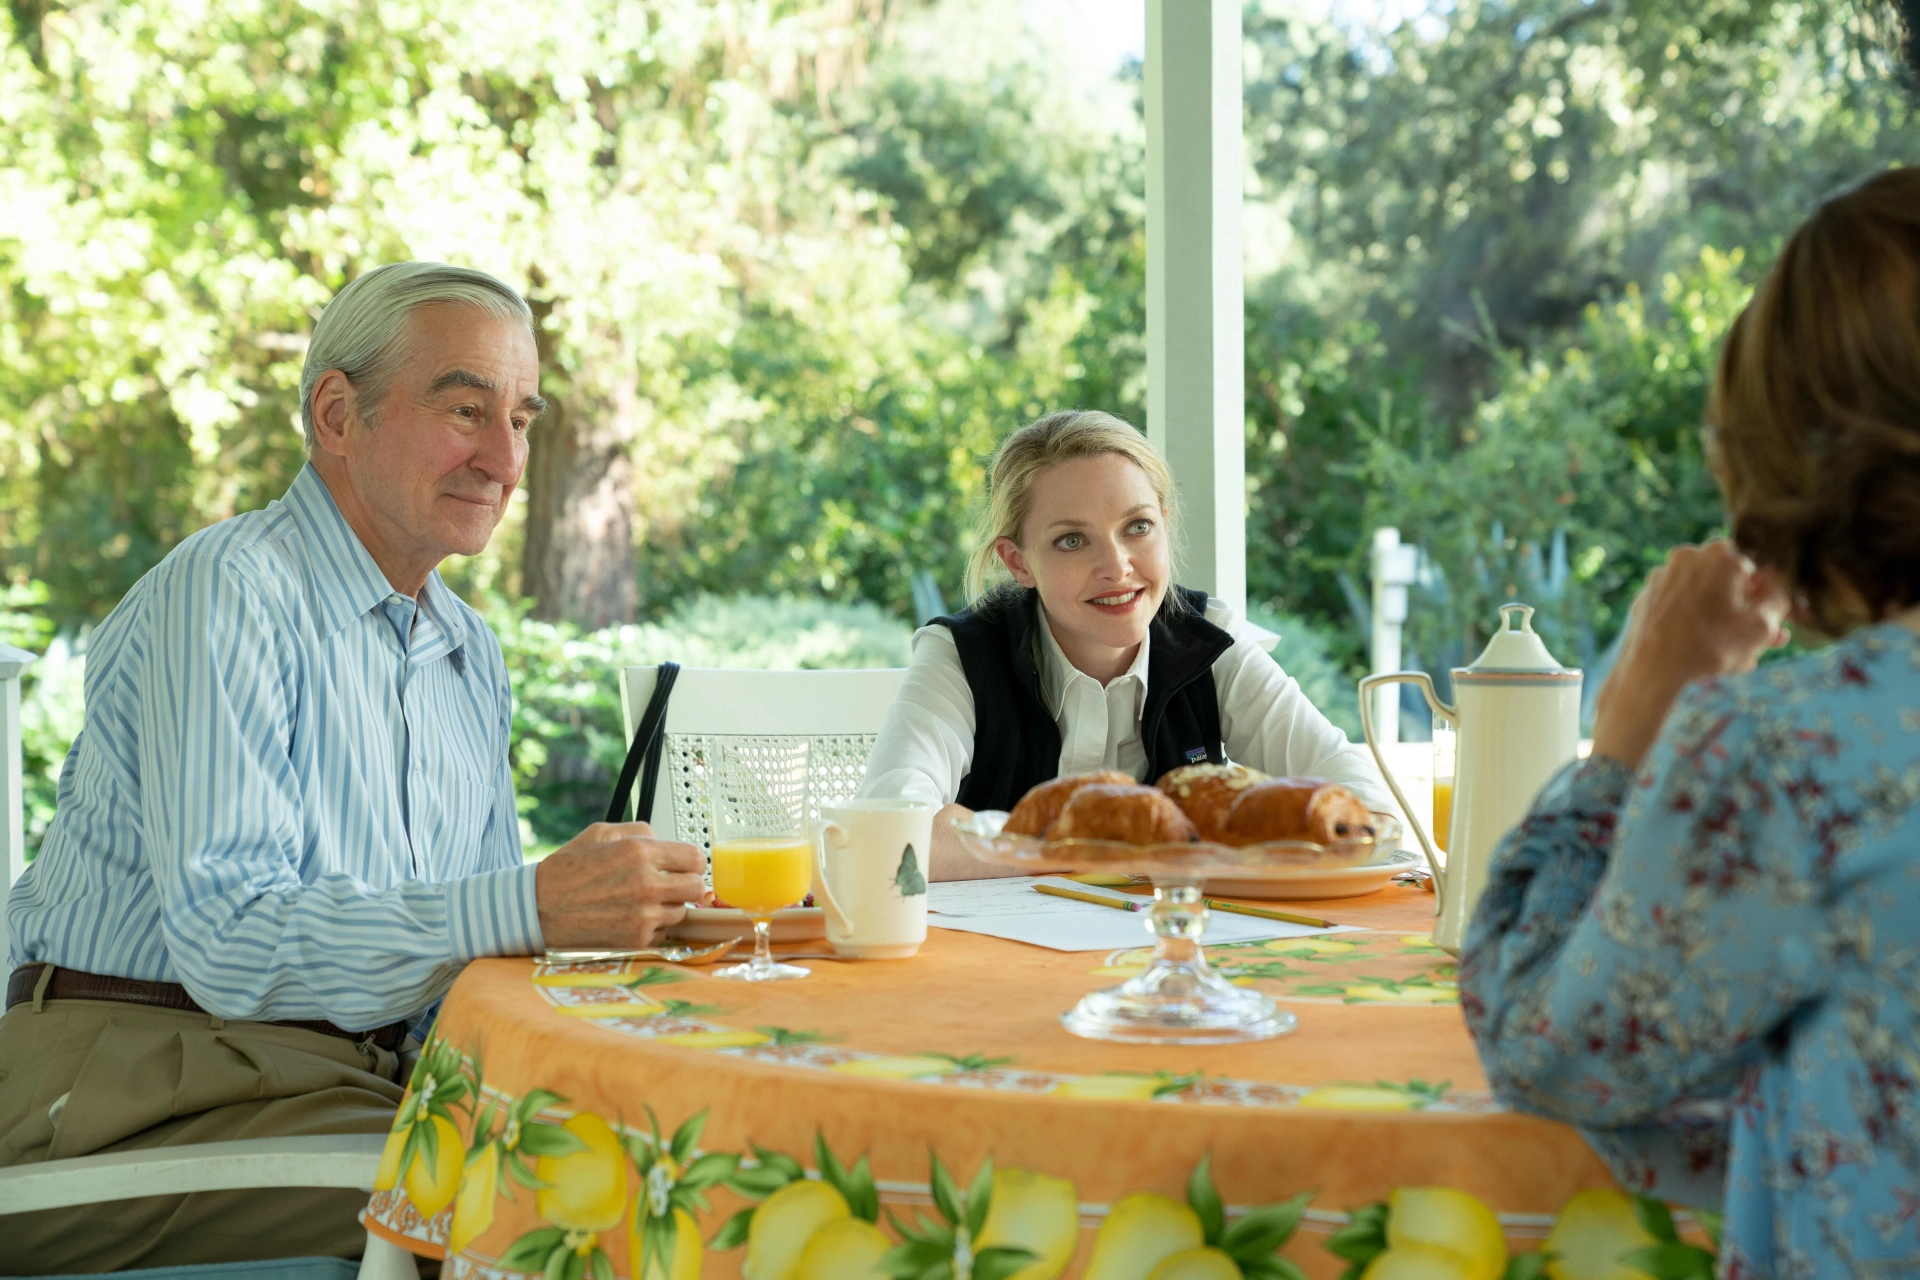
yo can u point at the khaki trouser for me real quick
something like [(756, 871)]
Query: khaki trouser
[(135, 1077)]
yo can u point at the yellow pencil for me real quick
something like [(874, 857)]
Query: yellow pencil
[(1098, 901), (1268, 913)]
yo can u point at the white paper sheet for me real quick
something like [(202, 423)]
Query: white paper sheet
[(1012, 895), (1009, 908)]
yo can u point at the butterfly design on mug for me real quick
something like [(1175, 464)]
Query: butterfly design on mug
[(908, 879)]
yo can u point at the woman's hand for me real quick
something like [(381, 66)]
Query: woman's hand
[(1707, 612), (947, 860)]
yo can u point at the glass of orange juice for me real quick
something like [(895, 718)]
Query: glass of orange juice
[(762, 851), (1444, 743)]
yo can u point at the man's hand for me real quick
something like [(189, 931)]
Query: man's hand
[(1707, 612), (615, 886)]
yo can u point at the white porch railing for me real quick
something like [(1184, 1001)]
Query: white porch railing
[(13, 822)]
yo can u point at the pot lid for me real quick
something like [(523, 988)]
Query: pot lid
[(1516, 646)]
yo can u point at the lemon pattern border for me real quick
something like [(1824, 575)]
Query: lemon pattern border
[(591, 1178)]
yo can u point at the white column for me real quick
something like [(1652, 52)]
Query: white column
[(1196, 413), (1394, 569), (13, 823)]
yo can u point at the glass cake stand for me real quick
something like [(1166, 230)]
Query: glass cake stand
[(1177, 998)]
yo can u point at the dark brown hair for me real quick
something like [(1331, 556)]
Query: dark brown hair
[(1814, 414)]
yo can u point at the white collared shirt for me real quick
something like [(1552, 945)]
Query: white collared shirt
[(926, 744)]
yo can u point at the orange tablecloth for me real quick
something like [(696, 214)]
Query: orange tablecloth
[(957, 1053)]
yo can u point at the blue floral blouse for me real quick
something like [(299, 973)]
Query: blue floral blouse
[(1713, 968)]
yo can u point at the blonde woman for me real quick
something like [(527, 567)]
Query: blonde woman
[(1089, 657)]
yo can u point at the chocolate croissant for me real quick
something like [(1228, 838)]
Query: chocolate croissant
[(1040, 806), (1312, 809), (1124, 814), (1205, 792)]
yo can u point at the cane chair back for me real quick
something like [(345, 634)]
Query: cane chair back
[(838, 712)]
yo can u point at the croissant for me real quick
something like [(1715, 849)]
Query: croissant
[(1125, 814), (1205, 792), (1297, 809), (1040, 806)]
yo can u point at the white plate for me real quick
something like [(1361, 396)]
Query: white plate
[(1319, 882), (1286, 862), (717, 924)]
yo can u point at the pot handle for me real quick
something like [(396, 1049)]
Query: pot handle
[(1440, 710), (825, 833)]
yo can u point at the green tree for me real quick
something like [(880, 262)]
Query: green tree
[(1460, 191), (188, 185), (860, 456), (1596, 442)]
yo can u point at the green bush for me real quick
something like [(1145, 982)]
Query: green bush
[(1571, 481), (1305, 652), (50, 699), (567, 727), (568, 730)]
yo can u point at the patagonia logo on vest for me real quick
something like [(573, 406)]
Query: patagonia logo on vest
[(1196, 754)]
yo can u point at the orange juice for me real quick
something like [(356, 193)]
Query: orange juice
[(1442, 810), (760, 876)]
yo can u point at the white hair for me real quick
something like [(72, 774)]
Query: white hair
[(363, 331)]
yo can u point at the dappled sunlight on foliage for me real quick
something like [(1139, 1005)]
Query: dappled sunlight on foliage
[(1598, 440), (798, 267)]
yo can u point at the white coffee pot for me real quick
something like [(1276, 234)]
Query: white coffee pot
[(1517, 713)]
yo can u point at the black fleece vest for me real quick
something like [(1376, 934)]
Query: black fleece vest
[(1016, 744)]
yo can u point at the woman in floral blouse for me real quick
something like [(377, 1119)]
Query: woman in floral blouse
[(1703, 945)]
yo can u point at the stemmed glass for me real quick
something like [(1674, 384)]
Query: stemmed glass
[(762, 845), (1178, 998)]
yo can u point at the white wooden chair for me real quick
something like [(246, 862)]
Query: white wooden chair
[(838, 712), (345, 1160)]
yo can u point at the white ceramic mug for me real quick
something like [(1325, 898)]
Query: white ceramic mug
[(871, 876)]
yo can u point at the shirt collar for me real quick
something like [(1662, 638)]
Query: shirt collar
[(343, 580), (441, 609), (1057, 672)]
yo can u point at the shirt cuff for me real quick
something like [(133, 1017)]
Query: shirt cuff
[(496, 913)]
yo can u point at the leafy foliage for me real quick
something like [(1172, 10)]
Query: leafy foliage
[(1571, 481), (568, 728), (1363, 1239), (440, 1085), (51, 700), (800, 266), (772, 1170), (929, 1248), (1529, 1266), (1671, 1258), (1487, 228), (522, 1138), (1308, 653), (674, 1175), (1252, 1240)]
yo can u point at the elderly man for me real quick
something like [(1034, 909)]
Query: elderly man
[(289, 819)]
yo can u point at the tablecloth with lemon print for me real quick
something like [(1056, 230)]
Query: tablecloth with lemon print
[(928, 1119)]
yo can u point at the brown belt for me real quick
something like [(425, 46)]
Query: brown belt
[(71, 984)]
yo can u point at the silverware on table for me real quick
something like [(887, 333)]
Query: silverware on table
[(669, 954)]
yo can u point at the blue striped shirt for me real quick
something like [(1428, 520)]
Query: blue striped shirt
[(291, 793)]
